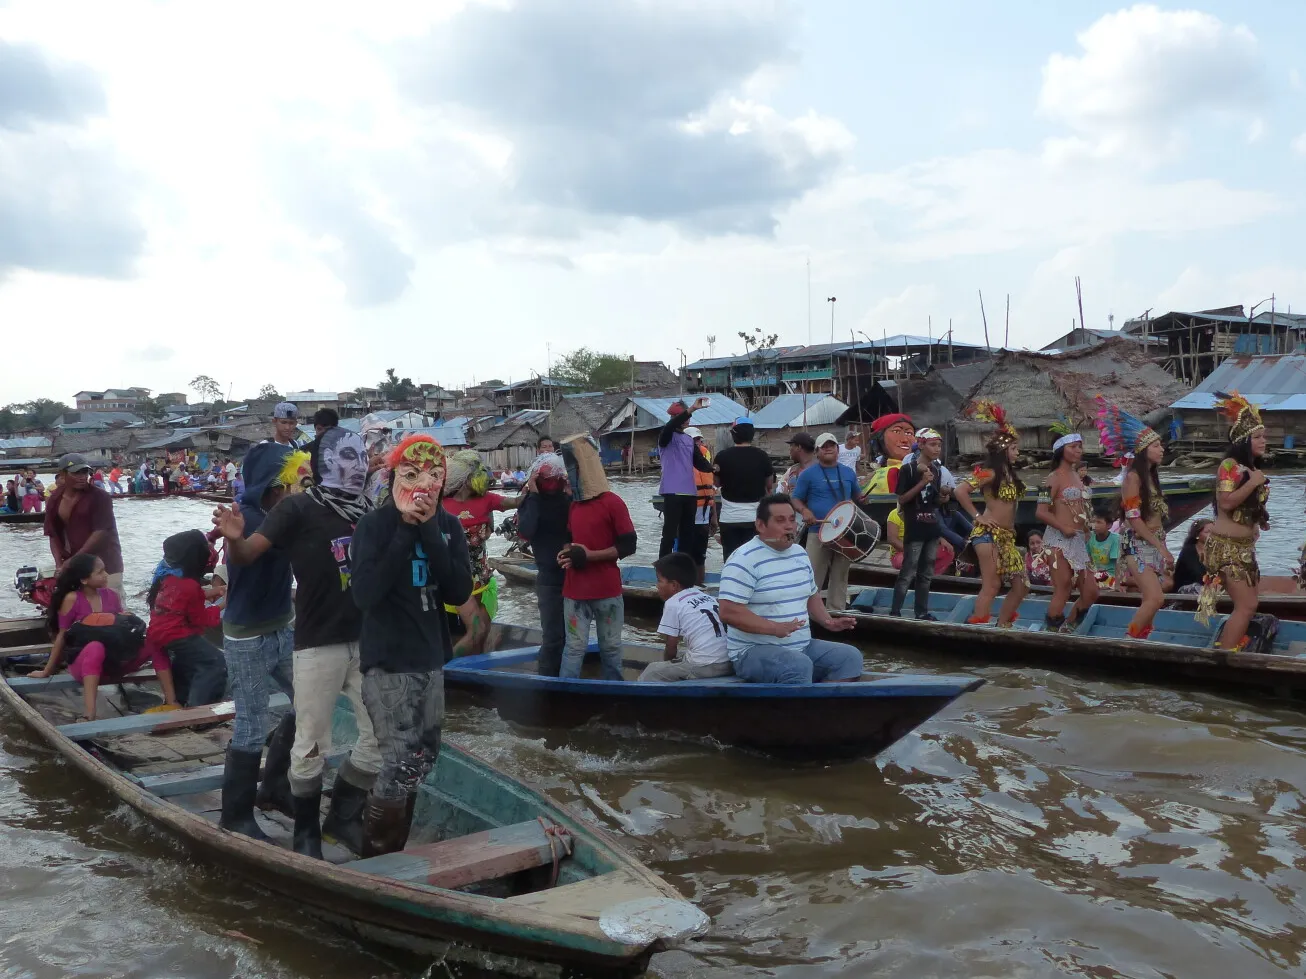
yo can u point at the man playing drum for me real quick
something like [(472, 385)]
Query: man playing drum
[(819, 490)]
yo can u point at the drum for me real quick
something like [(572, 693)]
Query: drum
[(849, 531)]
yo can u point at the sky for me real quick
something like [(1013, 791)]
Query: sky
[(305, 194)]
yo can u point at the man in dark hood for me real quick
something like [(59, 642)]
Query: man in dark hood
[(258, 642)]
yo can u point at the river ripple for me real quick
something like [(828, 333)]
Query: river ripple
[(1046, 825)]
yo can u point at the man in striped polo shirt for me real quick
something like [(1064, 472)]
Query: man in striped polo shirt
[(768, 601)]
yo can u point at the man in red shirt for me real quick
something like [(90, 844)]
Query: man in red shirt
[(79, 520), (601, 534)]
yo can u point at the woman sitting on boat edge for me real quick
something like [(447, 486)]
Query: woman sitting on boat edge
[(1242, 492), (82, 591), (993, 538)]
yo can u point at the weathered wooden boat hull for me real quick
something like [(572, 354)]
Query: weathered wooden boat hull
[(1279, 595), (1180, 649), (822, 720), (28, 517), (551, 931), (638, 581)]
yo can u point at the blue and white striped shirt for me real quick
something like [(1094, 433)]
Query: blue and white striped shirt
[(773, 584)]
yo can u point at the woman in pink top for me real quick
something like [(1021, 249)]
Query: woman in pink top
[(81, 590)]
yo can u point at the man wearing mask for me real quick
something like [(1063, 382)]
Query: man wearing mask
[(542, 520), (918, 500), (314, 528), (409, 560)]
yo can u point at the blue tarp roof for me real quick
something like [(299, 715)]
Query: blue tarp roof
[(721, 410)]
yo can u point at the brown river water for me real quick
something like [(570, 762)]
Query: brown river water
[(1047, 825)]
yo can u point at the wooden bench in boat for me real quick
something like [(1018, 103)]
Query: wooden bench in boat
[(163, 721), (26, 685), (18, 652), (477, 857), (207, 779)]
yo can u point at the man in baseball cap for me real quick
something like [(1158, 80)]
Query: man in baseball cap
[(819, 490), (285, 418), (79, 520), (804, 441)]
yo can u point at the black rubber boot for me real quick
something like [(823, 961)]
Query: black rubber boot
[(385, 826), (308, 826), (344, 819), (239, 778), (274, 791)]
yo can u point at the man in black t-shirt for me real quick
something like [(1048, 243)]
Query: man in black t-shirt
[(918, 499), (314, 528), (409, 561), (744, 474)]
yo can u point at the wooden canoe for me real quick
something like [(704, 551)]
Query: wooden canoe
[(495, 873), (638, 582), (1280, 595), (1179, 649), (819, 720), (29, 517)]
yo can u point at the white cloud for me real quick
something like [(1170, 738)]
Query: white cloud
[(907, 312), (1142, 72), (1299, 145), (1294, 80)]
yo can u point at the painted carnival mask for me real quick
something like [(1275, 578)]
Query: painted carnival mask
[(342, 461), (417, 465)]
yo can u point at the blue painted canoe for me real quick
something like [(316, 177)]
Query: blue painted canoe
[(495, 875), (1179, 648), (823, 720)]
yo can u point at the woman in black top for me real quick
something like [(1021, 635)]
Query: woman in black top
[(1189, 571)]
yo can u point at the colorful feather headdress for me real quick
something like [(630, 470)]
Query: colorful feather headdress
[(1244, 417), (984, 410), (1122, 433)]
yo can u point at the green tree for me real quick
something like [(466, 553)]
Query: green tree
[(268, 392), (151, 409), (207, 388), (41, 413), (756, 345), (591, 371), (395, 388)]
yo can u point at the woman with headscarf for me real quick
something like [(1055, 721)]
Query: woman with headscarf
[(1242, 492), (542, 520), (180, 616), (467, 497), (994, 536)]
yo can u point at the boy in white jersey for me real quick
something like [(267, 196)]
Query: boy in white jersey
[(695, 639)]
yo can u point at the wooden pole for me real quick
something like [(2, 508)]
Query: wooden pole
[(1006, 334), (857, 383), (1079, 297), (985, 318)]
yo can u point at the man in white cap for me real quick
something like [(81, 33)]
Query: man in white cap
[(918, 501), (819, 490)]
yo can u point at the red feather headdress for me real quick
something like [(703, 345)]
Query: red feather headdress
[(984, 410)]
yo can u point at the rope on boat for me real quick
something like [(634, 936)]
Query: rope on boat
[(558, 837)]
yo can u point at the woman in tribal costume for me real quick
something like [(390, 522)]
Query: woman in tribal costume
[(1064, 507), (994, 537), (1241, 493), (1143, 509)]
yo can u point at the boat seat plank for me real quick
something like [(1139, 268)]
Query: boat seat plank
[(469, 859), (166, 721), (587, 898), (169, 785), (17, 652), (63, 681)]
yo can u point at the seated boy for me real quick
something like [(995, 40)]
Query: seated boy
[(689, 616), (1103, 548)]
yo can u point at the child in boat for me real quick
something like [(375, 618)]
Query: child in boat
[(179, 617), (1104, 548), (689, 616), (81, 591)]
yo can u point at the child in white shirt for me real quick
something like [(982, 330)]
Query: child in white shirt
[(691, 626)]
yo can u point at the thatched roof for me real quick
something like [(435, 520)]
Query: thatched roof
[(509, 433), (1037, 389)]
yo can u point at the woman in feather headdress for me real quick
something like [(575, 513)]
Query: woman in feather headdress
[(1241, 493), (1064, 506), (1142, 507), (994, 536)]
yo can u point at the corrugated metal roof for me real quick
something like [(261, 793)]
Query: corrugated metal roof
[(720, 410), (789, 409), (450, 436), (818, 350), (312, 396), (1271, 382), (27, 442)]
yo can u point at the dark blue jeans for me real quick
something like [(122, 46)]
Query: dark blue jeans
[(199, 670), (554, 627), (956, 528)]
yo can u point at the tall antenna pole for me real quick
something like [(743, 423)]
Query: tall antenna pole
[(1006, 334), (809, 300), (986, 324)]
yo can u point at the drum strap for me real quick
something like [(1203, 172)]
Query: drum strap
[(839, 498)]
